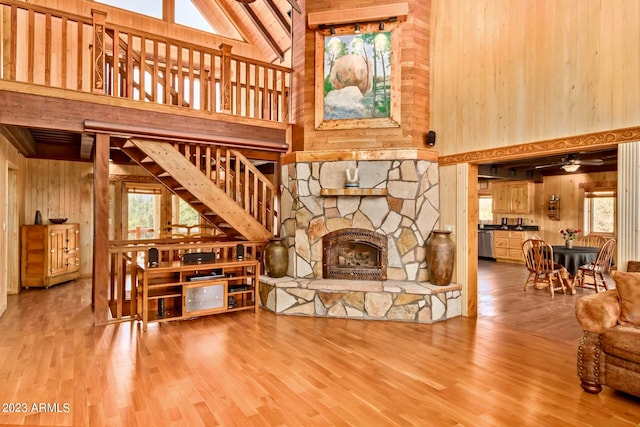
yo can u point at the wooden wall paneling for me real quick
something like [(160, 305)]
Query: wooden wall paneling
[(630, 70), (559, 79)]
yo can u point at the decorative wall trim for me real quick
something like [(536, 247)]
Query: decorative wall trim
[(339, 155), (588, 141)]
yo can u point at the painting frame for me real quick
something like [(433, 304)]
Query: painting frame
[(393, 120)]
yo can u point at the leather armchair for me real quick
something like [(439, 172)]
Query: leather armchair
[(609, 350)]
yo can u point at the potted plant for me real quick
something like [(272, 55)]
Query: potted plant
[(569, 235)]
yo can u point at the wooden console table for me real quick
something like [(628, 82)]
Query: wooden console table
[(174, 290)]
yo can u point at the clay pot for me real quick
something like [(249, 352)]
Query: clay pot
[(440, 255), (276, 258)]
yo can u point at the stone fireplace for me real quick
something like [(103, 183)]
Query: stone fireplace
[(375, 233), (354, 254), (398, 198)]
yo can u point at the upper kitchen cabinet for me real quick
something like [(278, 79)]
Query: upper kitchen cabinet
[(512, 197)]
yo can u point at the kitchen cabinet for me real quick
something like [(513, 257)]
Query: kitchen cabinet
[(50, 254), (512, 197), (507, 245)]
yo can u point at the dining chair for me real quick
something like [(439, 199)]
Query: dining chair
[(538, 256), (592, 240), (595, 270)]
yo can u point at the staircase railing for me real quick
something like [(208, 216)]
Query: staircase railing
[(63, 50), (241, 180)]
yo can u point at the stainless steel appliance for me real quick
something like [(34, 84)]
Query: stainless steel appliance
[(485, 244)]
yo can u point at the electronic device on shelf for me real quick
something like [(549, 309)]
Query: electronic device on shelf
[(198, 258), (214, 274), (237, 288)]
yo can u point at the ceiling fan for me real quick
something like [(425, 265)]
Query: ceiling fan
[(571, 163)]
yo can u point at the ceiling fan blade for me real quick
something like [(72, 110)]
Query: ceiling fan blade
[(591, 162), (550, 165)]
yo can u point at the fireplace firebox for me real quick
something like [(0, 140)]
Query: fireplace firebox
[(354, 254)]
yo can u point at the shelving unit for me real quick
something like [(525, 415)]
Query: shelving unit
[(175, 291)]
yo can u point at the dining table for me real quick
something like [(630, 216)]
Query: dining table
[(573, 258)]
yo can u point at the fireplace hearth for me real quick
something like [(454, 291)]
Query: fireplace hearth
[(354, 254)]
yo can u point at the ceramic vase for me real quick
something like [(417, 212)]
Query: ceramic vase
[(276, 258), (568, 244), (440, 255)]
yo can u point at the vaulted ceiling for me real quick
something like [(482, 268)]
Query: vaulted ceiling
[(265, 24)]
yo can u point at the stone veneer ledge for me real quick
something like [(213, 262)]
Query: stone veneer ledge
[(361, 299)]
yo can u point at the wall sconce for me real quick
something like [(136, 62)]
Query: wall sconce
[(381, 26), (357, 31), (332, 31)]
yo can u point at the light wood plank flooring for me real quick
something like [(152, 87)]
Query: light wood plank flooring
[(513, 365)]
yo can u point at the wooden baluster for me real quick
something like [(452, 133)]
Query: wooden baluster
[(191, 82), (47, 49), (225, 77), (116, 63), (99, 18), (130, 66)]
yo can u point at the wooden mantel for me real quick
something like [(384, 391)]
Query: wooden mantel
[(361, 14)]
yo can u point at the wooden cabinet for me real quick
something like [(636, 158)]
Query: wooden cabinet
[(50, 254), (512, 197), (174, 291), (507, 245)]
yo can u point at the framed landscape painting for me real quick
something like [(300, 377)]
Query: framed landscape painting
[(357, 84)]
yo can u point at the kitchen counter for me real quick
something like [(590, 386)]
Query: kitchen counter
[(511, 227)]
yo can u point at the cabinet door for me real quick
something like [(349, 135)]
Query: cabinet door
[(500, 196), (519, 194), (73, 248), (57, 251)]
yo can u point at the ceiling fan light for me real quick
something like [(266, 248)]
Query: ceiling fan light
[(571, 168)]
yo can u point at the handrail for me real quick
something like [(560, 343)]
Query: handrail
[(64, 50), (232, 172)]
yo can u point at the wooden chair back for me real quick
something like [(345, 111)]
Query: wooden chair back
[(591, 240), (605, 256), (538, 255)]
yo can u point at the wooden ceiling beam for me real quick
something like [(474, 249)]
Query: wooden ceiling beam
[(20, 138), (279, 16), (263, 30)]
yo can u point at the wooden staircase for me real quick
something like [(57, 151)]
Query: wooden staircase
[(219, 183)]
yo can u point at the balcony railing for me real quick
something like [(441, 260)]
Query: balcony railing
[(57, 49)]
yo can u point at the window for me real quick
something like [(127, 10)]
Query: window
[(188, 15), (151, 8), (183, 213), (143, 214), (600, 212), (485, 208)]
